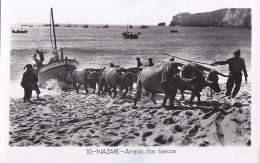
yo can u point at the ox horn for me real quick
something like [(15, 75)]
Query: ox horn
[(185, 79)]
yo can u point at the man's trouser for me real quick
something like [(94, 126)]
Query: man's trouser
[(234, 78)]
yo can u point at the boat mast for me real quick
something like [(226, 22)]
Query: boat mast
[(127, 27), (54, 35)]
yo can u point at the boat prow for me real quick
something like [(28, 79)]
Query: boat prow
[(58, 71)]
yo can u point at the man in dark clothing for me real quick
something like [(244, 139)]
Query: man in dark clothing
[(139, 63), (29, 83), (41, 54), (150, 62), (236, 66), (112, 65)]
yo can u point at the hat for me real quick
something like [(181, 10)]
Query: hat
[(37, 50), (237, 51), (112, 65), (172, 59), (28, 66), (150, 59), (137, 58)]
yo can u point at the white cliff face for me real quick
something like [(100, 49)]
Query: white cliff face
[(223, 18), (237, 17)]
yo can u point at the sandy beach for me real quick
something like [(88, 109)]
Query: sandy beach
[(70, 119)]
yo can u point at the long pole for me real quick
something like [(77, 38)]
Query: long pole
[(185, 59), (54, 35)]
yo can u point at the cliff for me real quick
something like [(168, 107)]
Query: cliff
[(233, 17)]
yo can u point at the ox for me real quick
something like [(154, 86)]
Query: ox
[(115, 78), (152, 79), (194, 78), (86, 77)]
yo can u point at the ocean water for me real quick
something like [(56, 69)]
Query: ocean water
[(97, 47)]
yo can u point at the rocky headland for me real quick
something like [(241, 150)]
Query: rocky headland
[(231, 17)]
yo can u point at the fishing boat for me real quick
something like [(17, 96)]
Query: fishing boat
[(105, 26), (143, 26), (85, 26), (129, 35), (173, 31), (19, 30), (60, 68)]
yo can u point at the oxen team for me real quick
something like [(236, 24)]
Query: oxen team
[(166, 78)]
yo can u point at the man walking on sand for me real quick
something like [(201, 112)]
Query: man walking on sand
[(236, 66), (29, 83)]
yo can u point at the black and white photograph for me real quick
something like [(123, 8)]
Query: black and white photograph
[(122, 74)]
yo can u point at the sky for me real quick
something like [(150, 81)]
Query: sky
[(149, 12)]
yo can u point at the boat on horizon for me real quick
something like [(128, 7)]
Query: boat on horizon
[(129, 35), (143, 26), (174, 31), (85, 26), (19, 30), (60, 68), (48, 25), (105, 26)]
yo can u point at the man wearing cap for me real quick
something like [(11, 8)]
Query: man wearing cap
[(139, 63), (236, 66), (150, 62), (29, 83)]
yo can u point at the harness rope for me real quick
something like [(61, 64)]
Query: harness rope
[(185, 59)]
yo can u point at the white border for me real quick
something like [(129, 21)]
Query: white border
[(75, 154)]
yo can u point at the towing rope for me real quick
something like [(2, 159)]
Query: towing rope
[(186, 59)]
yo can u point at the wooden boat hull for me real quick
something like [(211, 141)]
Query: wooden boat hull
[(129, 36), (58, 71), (18, 31)]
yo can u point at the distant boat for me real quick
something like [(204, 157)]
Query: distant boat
[(55, 25), (68, 25), (19, 30), (75, 26), (59, 68), (105, 26), (173, 31), (24, 25), (96, 27), (30, 25), (85, 26), (143, 26), (129, 35), (162, 24)]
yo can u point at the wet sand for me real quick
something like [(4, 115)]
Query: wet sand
[(71, 119)]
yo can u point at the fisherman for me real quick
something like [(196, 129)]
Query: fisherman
[(139, 63), (150, 64), (236, 66), (41, 54), (112, 65), (55, 57), (37, 66), (29, 83), (38, 62)]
